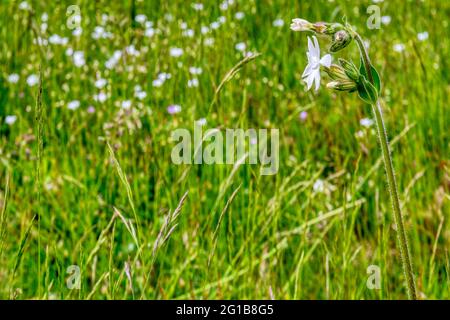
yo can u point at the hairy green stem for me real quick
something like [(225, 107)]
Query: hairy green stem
[(401, 233)]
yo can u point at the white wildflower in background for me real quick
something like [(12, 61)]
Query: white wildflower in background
[(139, 93), (214, 25), (100, 97), (193, 83), (32, 80), (303, 115), (149, 32), (9, 120), (131, 50), (126, 104), (176, 52), (188, 33), (422, 36), (73, 105), (209, 42), (78, 58), (100, 83), (111, 62), (366, 122), (69, 52), (278, 23), (78, 31), (399, 47), (13, 78), (241, 46), (44, 17), (101, 33), (239, 15), (174, 108), (312, 71), (319, 186), (195, 70), (197, 6), (204, 30), (140, 18), (386, 20), (56, 39), (162, 77), (168, 17), (24, 6)]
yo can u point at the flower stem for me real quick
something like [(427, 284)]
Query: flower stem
[(382, 135)]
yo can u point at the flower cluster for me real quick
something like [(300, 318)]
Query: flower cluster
[(345, 76)]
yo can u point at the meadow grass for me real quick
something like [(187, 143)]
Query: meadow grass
[(95, 186)]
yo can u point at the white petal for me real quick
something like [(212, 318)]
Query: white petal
[(311, 49), (326, 60), (316, 47), (307, 71), (317, 79), (310, 79)]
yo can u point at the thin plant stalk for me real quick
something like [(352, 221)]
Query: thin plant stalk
[(388, 165)]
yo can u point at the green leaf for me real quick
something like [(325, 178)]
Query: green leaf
[(367, 91), (375, 75)]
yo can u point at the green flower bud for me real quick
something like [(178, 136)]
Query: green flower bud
[(350, 69), (336, 72), (341, 39), (342, 85)]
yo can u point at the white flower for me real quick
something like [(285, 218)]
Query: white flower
[(141, 18), (399, 47), (422, 36), (188, 33), (240, 46), (73, 105), (193, 83), (32, 80), (100, 83), (101, 97), (386, 20), (278, 23), (197, 6), (9, 120), (195, 70), (126, 104), (176, 52), (13, 78), (214, 25), (141, 95), (312, 70), (300, 25), (366, 122), (78, 58), (78, 31), (209, 42), (239, 15), (319, 186), (149, 32), (24, 6)]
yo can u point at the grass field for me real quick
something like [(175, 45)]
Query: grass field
[(89, 195)]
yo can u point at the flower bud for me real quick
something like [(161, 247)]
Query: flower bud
[(301, 25), (341, 39), (342, 85), (336, 72), (350, 69)]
